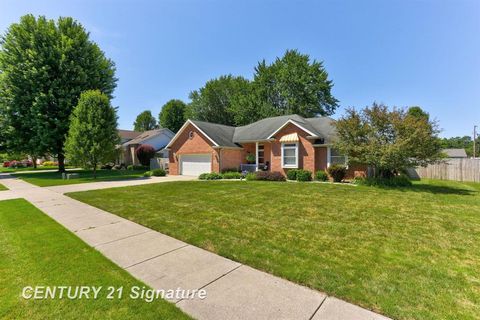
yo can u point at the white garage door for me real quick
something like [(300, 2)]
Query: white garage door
[(195, 164)]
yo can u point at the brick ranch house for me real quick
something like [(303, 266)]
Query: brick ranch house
[(276, 144)]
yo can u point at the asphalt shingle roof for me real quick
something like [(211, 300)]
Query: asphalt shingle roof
[(227, 136), (455, 153), (145, 136)]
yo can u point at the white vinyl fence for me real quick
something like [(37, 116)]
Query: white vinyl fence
[(451, 169)]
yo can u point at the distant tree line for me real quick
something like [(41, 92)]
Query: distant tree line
[(465, 142)]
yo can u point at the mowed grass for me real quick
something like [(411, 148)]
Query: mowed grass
[(35, 250), (408, 253), (2, 187), (45, 179)]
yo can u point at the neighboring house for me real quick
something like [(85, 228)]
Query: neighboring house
[(127, 135), (276, 144), (158, 139), (455, 153)]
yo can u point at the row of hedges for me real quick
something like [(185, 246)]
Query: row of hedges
[(219, 176), (337, 172), (396, 181), (265, 176), (299, 175)]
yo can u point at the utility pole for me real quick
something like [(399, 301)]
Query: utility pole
[(474, 138)]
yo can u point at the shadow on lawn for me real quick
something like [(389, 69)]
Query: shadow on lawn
[(439, 190)]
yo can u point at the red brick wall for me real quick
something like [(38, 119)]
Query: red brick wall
[(231, 158), (321, 158), (198, 144), (306, 152)]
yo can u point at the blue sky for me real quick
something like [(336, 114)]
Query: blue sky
[(401, 53)]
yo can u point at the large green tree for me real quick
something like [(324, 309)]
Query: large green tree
[(145, 121), (294, 84), (45, 65), (93, 136), (215, 102), (388, 140), (173, 115)]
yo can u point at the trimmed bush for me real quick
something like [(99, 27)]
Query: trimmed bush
[(158, 173), (292, 174), (251, 176), (147, 174), (304, 175), (337, 172), (144, 153), (269, 176), (210, 176), (321, 175), (232, 175), (230, 170), (395, 181)]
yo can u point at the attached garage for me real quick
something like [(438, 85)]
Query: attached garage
[(195, 164)]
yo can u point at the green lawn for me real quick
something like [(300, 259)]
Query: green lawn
[(35, 250), (2, 187), (409, 253), (45, 179)]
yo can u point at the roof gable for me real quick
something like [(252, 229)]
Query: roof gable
[(265, 129)]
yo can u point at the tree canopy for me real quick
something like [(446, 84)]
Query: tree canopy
[(173, 115), (145, 121), (291, 84), (295, 85), (93, 136), (215, 102), (44, 67), (387, 140)]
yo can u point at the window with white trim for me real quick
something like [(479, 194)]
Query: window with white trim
[(261, 154), (290, 155), (337, 158)]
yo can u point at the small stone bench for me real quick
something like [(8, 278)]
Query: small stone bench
[(69, 176)]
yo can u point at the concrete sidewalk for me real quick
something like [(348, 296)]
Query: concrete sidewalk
[(234, 291)]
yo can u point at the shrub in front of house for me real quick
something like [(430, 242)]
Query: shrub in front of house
[(321, 175), (147, 174), (337, 172), (158, 173), (304, 175), (395, 181), (230, 170), (269, 176), (231, 175), (250, 176), (210, 176), (144, 153), (292, 174)]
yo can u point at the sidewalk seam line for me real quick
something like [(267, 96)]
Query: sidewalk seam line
[(162, 254), (214, 280), (318, 308), (133, 235)]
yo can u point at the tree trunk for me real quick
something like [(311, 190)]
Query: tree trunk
[(95, 171), (61, 162), (34, 162)]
